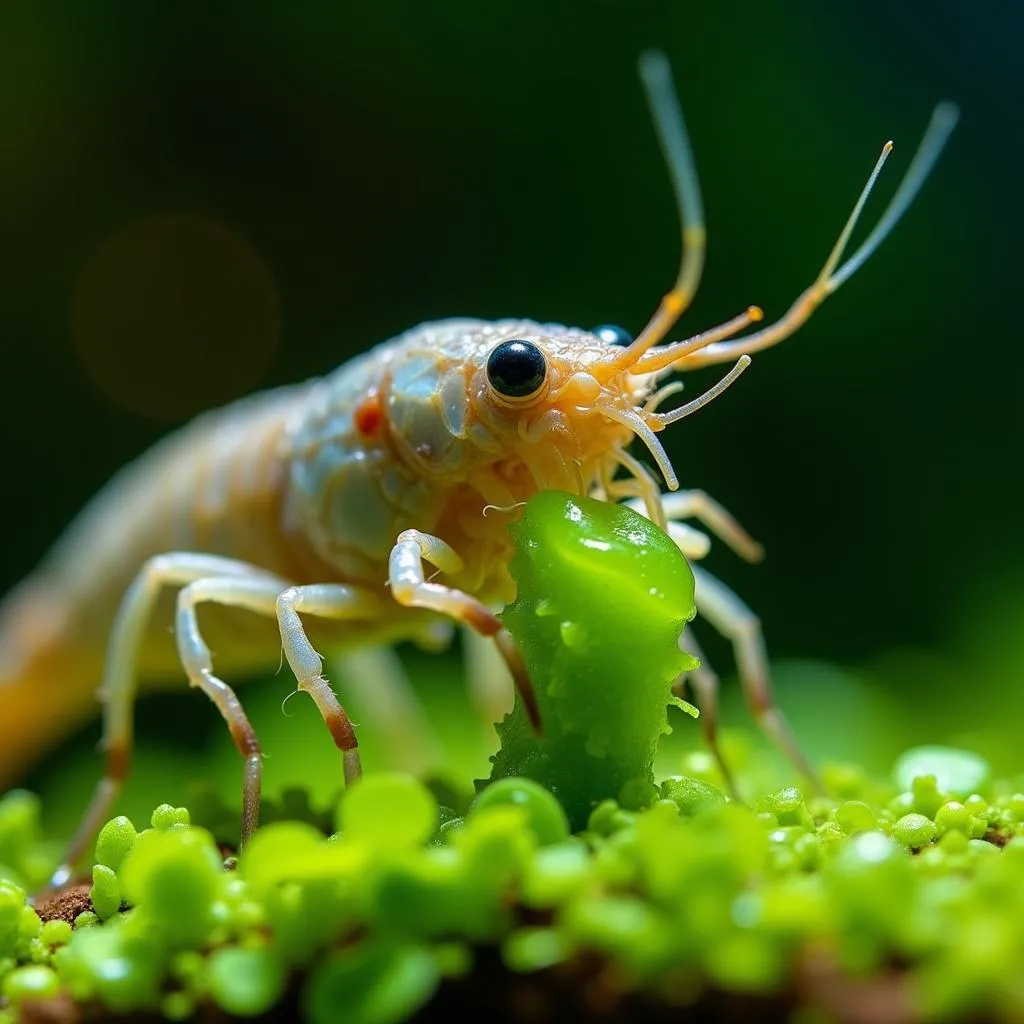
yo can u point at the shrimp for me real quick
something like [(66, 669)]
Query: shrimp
[(309, 516)]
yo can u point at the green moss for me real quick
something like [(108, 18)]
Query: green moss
[(664, 889), (693, 884), (544, 815)]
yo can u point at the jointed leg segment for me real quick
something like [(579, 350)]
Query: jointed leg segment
[(704, 682), (702, 507), (737, 623), (119, 682), (410, 587), (246, 592), (207, 578), (733, 619), (328, 601), (378, 682)]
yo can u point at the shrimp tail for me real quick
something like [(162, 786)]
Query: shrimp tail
[(47, 689)]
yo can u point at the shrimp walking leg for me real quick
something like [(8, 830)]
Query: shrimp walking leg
[(328, 601), (119, 682), (272, 597), (410, 587), (487, 679), (253, 593), (376, 678), (704, 682), (737, 623), (702, 507)]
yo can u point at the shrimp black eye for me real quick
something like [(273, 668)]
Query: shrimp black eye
[(612, 335), (516, 369)]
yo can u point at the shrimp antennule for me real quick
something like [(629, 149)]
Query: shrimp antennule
[(632, 419), (665, 358), (644, 423), (664, 419)]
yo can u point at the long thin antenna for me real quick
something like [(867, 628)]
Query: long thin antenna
[(656, 75), (941, 126), (943, 121), (665, 418), (664, 356), (851, 222)]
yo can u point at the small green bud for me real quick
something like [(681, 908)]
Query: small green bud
[(977, 805), (914, 830), (953, 842), (390, 811), (533, 949), (855, 816), (105, 892), (116, 838), (691, 796), (544, 814), (56, 933), (953, 815), (166, 816), (178, 1006), (607, 818), (927, 798), (788, 806), (246, 982), (36, 981)]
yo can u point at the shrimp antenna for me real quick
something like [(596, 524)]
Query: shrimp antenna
[(645, 424), (656, 75), (665, 356), (943, 122), (940, 127), (665, 418)]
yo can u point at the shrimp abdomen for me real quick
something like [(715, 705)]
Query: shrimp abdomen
[(213, 487)]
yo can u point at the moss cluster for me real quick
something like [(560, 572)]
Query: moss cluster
[(690, 893), (571, 863)]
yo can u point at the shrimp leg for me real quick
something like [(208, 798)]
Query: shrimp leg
[(487, 679), (378, 681), (410, 587), (119, 682), (737, 623), (208, 578), (701, 506), (272, 597), (704, 681), (733, 619)]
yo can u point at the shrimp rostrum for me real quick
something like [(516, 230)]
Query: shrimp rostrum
[(352, 510)]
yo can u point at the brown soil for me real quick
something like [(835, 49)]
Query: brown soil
[(65, 905)]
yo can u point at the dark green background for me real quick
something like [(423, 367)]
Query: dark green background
[(394, 162)]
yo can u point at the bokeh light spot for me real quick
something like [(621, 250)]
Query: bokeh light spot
[(175, 314)]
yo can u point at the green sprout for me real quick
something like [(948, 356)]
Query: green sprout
[(603, 596)]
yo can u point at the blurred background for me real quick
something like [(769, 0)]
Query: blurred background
[(202, 199)]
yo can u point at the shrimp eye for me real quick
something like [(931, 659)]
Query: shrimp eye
[(516, 369), (612, 335)]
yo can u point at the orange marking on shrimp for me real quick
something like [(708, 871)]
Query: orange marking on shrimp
[(369, 415)]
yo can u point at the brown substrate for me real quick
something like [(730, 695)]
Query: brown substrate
[(587, 990), (66, 904)]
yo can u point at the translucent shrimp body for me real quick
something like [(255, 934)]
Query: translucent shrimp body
[(374, 504)]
